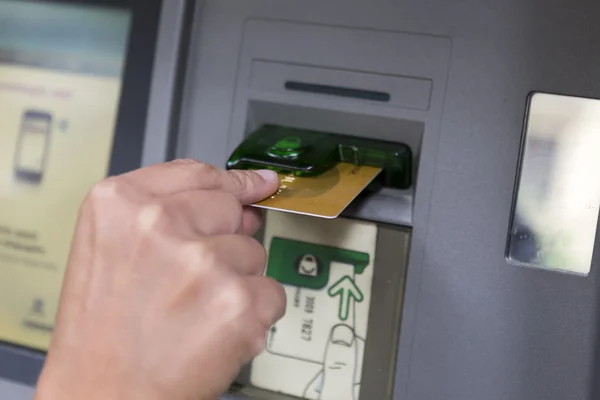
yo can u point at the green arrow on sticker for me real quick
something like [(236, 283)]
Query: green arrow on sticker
[(347, 290)]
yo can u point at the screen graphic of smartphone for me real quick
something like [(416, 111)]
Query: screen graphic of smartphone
[(33, 146)]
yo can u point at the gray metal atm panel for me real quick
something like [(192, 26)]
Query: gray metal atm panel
[(474, 327), (15, 391)]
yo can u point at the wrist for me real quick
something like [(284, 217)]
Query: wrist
[(59, 382), (54, 385)]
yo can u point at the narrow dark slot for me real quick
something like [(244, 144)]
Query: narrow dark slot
[(338, 91)]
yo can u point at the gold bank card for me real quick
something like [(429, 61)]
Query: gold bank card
[(325, 196)]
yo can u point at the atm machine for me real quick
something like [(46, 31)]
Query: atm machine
[(475, 277)]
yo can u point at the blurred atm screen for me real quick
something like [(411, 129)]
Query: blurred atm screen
[(61, 72)]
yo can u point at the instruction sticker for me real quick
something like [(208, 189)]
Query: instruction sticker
[(326, 266)]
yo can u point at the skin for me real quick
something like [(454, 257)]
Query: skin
[(164, 296)]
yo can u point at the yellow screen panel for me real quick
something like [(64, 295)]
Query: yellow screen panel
[(57, 123)]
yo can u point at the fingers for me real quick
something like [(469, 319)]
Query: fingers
[(244, 254), (210, 213), (252, 220), (184, 175), (270, 299), (248, 186), (264, 304)]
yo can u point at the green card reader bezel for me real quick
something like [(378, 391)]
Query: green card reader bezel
[(310, 153)]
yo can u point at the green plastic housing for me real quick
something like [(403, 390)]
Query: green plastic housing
[(311, 153)]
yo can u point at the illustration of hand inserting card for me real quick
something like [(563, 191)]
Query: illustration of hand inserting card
[(320, 321), (342, 367)]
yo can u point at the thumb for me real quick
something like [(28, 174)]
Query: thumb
[(248, 186), (340, 364)]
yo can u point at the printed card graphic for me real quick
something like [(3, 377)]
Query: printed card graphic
[(326, 266)]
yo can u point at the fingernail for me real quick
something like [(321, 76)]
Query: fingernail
[(267, 174), (342, 334)]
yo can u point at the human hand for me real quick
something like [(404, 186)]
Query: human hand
[(164, 295)]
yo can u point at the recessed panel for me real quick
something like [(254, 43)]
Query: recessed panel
[(316, 350)]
